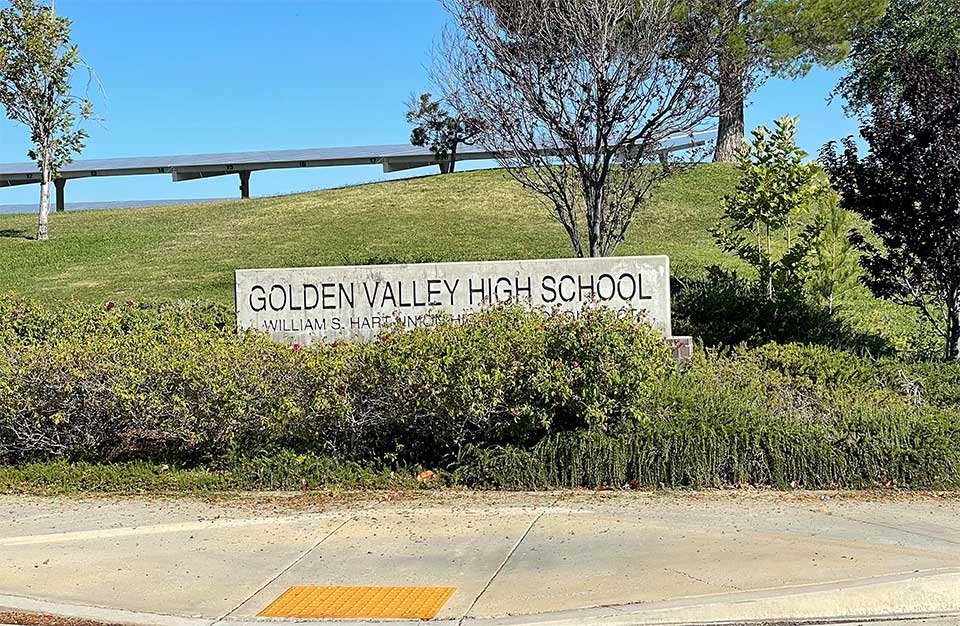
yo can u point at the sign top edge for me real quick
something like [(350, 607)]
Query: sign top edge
[(663, 257)]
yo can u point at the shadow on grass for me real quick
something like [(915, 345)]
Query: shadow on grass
[(14, 233), (723, 308)]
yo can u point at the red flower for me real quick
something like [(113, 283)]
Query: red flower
[(385, 337), (129, 302), (110, 305), (296, 347)]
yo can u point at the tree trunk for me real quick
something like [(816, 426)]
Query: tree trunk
[(572, 235), (453, 159), (594, 206), (953, 330), (732, 84), (730, 133), (43, 218), (769, 268), (569, 224)]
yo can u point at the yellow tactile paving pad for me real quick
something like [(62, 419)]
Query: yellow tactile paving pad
[(369, 602)]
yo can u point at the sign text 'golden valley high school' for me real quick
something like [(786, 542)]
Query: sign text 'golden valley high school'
[(324, 304)]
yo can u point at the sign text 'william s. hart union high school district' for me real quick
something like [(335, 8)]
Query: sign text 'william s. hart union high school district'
[(313, 304)]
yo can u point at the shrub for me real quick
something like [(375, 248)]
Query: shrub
[(724, 308), (786, 416), (174, 384), (23, 320), (187, 397), (26, 321), (501, 467), (282, 470), (507, 376), (861, 449), (510, 400)]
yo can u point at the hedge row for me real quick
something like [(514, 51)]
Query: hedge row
[(510, 400), (176, 385)]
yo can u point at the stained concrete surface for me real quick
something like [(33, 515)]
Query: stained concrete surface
[(606, 558)]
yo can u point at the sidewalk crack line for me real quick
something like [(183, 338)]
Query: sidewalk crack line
[(907, 531), (282, 571), (700, 580), (503, 563)]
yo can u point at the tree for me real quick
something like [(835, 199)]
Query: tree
[(439, 130), (758, 38), (909, 30), (760, 217), (907, 187), (37, 62), (576, 98), (834, 268), (783, 38)]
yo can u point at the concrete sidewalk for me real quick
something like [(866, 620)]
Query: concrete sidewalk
[(571, 558)]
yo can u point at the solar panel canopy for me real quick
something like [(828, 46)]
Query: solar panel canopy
[(190, 167)]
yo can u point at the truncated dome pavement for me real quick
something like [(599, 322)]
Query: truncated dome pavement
[(360, 602)]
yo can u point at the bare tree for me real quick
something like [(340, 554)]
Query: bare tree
[(576, 96)]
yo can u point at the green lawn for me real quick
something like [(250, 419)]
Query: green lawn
[(191, 251)]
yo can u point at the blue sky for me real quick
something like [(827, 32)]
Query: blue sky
[(189, 76)]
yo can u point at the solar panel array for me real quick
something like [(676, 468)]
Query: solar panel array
[(230, 158), (186, 167)]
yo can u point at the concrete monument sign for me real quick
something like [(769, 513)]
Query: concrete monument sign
[(323, 304)]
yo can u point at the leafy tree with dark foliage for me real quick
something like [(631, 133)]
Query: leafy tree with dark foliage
[(910, 29), (908, 187)]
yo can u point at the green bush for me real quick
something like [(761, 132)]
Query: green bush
[(724, 308), (786, 416), (26, 321), (501, 467), (168, 396), (283, 470), (23, 320), (511, 377), (173, 384), (509, 400)]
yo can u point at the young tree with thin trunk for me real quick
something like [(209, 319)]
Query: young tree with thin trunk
[(37, 60), (576, 97), (834, 270), (761, 220)]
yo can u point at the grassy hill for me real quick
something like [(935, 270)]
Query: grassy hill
[(190, 251)]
